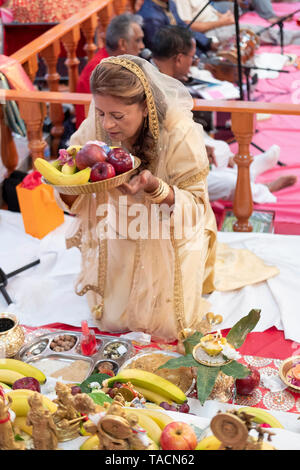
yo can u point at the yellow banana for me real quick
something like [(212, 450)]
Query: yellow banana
[(54, 176), (20, 424), (27, 370), (91, 443), (162, 419), (20, 402), (5, 386), (152, 396), (73, 149), (149, 381), (261, 416), (10, 376), (209, 443), (147, 423)]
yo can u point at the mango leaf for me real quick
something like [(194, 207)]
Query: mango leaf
[(100, 397), (206, 378), (236, 370), (182, 361), (191, 341), (239, 331)]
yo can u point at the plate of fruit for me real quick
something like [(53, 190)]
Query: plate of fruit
[(91, 168)]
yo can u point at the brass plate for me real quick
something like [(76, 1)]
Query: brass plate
[(209, 363), (285, 368)]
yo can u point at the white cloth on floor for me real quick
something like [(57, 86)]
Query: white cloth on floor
[(45, 293)]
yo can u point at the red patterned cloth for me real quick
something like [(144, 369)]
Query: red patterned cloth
[(45, 11)]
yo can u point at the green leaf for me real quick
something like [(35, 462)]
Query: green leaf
[(190, 342), (100, 397), (183, 361), (206, 378), (18, 437), (85, 385), (239, 331), (236, 370)]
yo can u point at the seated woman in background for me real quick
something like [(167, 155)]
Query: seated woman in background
[(149, 247)]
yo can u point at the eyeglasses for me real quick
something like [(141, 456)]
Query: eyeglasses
[(195, 58)]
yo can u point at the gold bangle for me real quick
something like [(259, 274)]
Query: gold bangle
[(160, 193)]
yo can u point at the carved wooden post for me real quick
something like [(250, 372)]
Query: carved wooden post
[(9, 152), (31, 67), (119, 6), (89, 28), (50, 56), (70, 42), (34, 115), (243, 126), (105, 15)]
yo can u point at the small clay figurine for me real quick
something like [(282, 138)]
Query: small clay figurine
[(232, 429), (7, 435), (43, 428), (64, 400), (115, 431)]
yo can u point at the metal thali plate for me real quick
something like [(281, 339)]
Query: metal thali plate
[(109, 349)]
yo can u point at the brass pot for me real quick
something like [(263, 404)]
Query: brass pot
[(12, 339)]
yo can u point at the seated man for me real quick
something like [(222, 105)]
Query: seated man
[(173, 50), (209, 19), (159, 13), (124, 35), (217, 21)]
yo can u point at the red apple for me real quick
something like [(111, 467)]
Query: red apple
[(120, 159), (246, 385), (178, 436), (89, 155), (29, 383), (102, 171)]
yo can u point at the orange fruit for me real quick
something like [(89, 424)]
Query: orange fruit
[(296, 371)]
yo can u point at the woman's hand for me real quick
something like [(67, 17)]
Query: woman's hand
[(144, 181)]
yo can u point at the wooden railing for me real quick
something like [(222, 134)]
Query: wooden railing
[(243, 116), (92, 21)]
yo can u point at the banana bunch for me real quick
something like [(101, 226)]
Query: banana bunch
[(53, 174), (152, 386), (152, 421), (20, 402), (261, 416), (13, 369)]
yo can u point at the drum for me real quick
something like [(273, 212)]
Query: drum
[(249, 43)]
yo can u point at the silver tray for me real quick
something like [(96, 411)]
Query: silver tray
[(161, 352), (39, 349)]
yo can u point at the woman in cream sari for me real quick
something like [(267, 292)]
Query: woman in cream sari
[(148, 247)]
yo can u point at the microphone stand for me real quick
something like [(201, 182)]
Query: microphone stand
[(199, 13), (4, 277), (280, 23), (238, 48)]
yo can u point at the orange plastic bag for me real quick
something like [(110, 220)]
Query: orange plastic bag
[(39, 210)]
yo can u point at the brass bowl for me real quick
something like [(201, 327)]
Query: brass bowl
[(12, 339), (285, 368)]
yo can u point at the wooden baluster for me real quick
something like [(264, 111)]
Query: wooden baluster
[(243, 127), (105, 15), (119, 6), (89, 28), (31, 67), (33, 115), (9, 152), (50, 56), (70, 42)]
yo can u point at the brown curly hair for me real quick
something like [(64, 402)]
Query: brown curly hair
[(115, 80)]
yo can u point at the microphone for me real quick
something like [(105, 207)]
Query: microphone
[(145, 54)]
